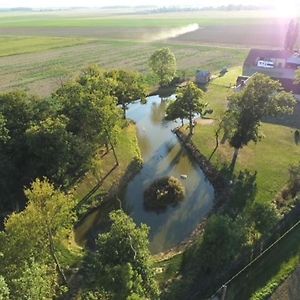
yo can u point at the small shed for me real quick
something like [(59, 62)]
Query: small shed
[(203, 77)]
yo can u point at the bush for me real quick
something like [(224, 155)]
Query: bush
[(163, 192)]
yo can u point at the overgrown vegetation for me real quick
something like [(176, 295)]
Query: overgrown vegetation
[(163, 192)]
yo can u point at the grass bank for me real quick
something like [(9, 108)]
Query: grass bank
[(271, 157), (264, 276), (127, 151)]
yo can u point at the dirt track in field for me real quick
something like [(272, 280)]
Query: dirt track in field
[(260, 34), (253, 35)]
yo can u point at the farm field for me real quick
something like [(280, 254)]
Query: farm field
[(38, 50), (40, 72)]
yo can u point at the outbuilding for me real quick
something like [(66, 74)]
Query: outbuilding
[(203, 77)]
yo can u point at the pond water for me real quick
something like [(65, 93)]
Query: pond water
[(164, 155)]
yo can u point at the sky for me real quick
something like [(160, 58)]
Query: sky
[(99, 3)]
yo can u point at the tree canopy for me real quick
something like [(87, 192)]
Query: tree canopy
[(188, 104), (38, 230), (58, 136), (121, 264), (163, 64), (128, 86)]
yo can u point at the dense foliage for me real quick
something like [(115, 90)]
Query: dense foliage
[(163, 64), (188, 104), (121, 266), (30, 261), (57, 137), (163, 192)]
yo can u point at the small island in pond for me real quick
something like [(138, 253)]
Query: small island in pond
[(162, 193)]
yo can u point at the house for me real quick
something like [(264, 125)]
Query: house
[(203, 77), (278, 64)]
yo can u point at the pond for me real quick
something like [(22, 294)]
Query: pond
[(164, 155)]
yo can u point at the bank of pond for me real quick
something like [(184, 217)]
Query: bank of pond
[(164, 156)]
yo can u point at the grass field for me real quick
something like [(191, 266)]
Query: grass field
[(19, 45), (40, 72), (271, 157), (264, 276), (38, 50), (127, 149)]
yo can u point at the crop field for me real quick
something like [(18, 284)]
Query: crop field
[(38, 50), (41, 71)]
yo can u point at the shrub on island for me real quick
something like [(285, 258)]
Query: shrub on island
[(162, 193)]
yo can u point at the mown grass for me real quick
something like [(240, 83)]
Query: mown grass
[(264, 276), (270, 157), (11, 45), (127, 149), (170, 269)]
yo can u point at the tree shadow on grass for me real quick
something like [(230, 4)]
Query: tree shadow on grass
[(243, 192), (95, 188), (97, 219)]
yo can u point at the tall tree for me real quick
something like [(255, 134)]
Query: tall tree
[(52, 149), (47, 219), (163, 64), (222, 240), (122, 262), (261, 98), (16, 113), (189, 103), (175, 111), (127, 87), (91, 108)]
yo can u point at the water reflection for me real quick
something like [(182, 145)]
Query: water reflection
[(164, 156)]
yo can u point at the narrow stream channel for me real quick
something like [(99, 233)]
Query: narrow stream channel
[(164, 155)]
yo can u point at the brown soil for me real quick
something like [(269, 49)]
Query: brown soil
[(266, 34)]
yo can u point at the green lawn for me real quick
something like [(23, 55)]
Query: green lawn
[(127, 149), (264, 276), (271, 157)]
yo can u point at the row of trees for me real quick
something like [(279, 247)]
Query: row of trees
[(56, 137)]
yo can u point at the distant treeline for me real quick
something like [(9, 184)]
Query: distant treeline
[(230, 7)]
